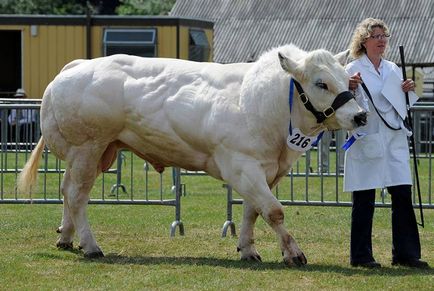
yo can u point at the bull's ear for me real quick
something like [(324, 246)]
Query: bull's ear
[(342, 57), (292, 67)]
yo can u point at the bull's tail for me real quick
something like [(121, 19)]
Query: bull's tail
[(27, 178)]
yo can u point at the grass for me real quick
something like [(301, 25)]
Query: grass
[(141, 255), (321, 188)]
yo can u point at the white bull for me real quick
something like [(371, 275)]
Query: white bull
[(230, 121)]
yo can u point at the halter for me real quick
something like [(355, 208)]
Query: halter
[(297, 140), (340, 100)]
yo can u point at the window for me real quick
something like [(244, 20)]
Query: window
[(199, 47), (138, 42)]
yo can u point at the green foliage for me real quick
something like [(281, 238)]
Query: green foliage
[(78, 7), (145, 7), (43, 7)]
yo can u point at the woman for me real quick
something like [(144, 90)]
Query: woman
[(381, 157)]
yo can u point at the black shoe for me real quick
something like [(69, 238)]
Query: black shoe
[(412, 263), (369, 265)]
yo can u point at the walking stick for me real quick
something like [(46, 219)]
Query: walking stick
[(413, 144)]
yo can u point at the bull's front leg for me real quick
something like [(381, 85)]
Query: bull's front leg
[(246, 243), (249, 180), (292, 254), (272, 212)]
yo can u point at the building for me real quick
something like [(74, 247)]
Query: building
[(35, 48), (245, 28)]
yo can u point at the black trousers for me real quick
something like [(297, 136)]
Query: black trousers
[(405, 235)]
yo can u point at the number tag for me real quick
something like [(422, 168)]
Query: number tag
[(300, 142)]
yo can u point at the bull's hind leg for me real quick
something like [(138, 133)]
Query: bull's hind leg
[(67, 228), (78, 181), (246, 243)]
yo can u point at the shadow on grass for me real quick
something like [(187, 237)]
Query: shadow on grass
[(117, 259)]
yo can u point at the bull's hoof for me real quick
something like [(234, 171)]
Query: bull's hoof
[(298, 261), (94, 255), (252, 257), (64, 245)]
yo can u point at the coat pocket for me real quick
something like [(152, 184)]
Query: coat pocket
[(369, 147), (399, 150)]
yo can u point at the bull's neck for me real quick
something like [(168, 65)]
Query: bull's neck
[(268, 115), (303, 118)]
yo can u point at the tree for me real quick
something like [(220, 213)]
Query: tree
[(43, 7), (79, 7), (145, 7)]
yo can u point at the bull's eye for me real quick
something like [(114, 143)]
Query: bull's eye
[(321, 85)]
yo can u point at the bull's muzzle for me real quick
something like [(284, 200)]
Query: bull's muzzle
[(360, 119)]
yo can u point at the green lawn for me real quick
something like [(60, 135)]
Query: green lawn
[(141, 255), (325, 187)]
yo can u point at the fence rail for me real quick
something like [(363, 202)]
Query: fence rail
[(316, 178), (19, 134)]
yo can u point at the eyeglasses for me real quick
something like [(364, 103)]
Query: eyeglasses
[(380, 36)]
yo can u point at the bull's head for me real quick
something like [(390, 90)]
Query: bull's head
[(325, 84)]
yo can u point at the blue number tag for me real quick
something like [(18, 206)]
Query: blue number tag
[(299, 142)]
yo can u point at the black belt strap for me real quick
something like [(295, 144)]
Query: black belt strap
[(375, 107)]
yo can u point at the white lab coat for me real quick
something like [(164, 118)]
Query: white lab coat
[(381, 158)]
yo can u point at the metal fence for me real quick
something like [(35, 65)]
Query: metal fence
[(311, 183), (131, 181), (316, 178)]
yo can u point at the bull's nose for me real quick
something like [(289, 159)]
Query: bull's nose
[(360, 118)]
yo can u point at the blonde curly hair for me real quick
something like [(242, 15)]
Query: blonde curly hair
[(362, 32)]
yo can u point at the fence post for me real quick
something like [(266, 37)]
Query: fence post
[(229, 222), (178, 193), (115, 187)]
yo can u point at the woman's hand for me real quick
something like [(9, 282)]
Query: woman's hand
[(355, 80), (408, 85)]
